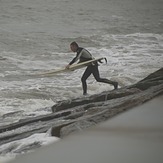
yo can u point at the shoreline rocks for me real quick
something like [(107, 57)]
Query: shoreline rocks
[(81, 113)]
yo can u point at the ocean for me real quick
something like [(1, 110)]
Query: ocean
[(35, 36)]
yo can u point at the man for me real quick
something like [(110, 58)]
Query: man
[(83, 55)]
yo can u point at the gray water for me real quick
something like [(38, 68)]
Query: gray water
[(35, 37)]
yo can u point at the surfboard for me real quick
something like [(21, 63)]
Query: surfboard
[(71, 68)]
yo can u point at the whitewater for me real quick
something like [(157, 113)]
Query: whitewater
[(35, 37)]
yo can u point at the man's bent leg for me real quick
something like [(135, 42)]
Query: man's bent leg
[(103, 80)]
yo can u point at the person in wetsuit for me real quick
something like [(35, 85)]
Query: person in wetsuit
[(84, 55)]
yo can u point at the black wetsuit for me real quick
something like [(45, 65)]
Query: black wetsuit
[(83, 55)]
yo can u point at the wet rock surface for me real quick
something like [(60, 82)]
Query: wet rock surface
[(81, 113)]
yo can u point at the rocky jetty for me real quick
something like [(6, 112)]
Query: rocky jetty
[(75, 115)]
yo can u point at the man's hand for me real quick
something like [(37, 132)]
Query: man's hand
[(68, 66)]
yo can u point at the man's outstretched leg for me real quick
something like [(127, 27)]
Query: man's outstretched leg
[(103, 80)]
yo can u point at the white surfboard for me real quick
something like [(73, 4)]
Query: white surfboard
[(71, 68)]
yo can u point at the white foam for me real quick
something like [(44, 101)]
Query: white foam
[(23, 108), (11, 150)]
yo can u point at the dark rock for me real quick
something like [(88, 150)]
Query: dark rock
[(153, 79), (24, 122), (82, 113), (55, 131), (74, 127), (115, 107), (75, 115), (107, 95), (15, 113), (155, 76)]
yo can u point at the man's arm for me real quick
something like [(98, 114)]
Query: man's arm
[(78, 55), (74, 60)]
